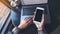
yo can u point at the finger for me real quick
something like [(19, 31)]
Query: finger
[(29, 20), (26, 18), (37, 25), (35, 13), (42, 18)]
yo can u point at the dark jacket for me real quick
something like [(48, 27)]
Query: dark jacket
[(18, 31)]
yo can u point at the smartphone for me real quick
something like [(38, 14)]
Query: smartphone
[(38, 16)]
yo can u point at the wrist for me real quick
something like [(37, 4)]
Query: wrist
[(16, 30), (40, 28), (20, 27)]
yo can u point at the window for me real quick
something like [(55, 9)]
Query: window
[(4, 12)]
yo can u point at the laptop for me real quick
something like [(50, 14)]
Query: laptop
[(27, 12)]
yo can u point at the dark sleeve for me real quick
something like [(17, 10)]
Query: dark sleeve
[(42, 32), (15, 31)]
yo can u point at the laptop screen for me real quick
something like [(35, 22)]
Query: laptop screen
[(28, 11)]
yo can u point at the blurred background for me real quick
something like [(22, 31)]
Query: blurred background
[(6, 20)]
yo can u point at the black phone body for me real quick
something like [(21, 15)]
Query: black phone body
[(38, 15)]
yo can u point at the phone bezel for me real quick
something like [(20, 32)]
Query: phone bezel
[(40, 8)]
